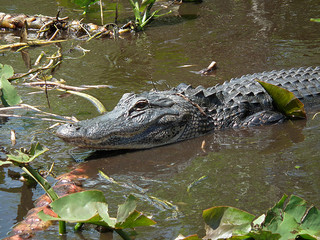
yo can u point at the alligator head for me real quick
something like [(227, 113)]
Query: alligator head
[(138, 121)]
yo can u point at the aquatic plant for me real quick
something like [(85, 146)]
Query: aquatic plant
[(288, 219), (91, 207), (81, 207), (315, 19), (22, 159), (143, 14), (8, 93)]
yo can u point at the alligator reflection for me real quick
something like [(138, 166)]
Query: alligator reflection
[(175, 157)]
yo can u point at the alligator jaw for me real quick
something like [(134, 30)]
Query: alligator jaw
[(87, 134)]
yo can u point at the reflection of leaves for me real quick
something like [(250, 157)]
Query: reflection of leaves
[(84, 3), (286, 101), (9, 96)]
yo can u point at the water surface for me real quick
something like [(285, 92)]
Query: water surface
[(250, 168)]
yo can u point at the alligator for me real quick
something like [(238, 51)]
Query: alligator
[(156, 118)]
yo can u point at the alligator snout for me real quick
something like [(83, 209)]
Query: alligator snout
[(70, 131)]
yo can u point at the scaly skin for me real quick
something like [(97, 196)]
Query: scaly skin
[(157, 118)]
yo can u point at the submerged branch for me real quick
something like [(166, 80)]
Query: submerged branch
[(31, 43)]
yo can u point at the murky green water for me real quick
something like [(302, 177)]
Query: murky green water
[(249, 168)]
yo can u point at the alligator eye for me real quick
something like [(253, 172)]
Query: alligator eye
[(140, 105)]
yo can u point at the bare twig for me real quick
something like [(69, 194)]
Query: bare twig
[(193, 103), (54, 35), (55, 85), (101, 12), (27, 106)]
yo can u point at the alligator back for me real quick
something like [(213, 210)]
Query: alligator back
[(156, 118), (232, 102)]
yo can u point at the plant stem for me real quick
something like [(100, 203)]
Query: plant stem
[(101, 12), (123, 234), (40, 180), (78, 226), (47, 187), (62, 227)]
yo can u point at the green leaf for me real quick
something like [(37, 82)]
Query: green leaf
[(315, 19), (135, 219), (20, 158), (311, 222), (35, 151), (124, 210), (5, 163), (103, 212), (6, 71), (9, 96), (293, 220), (78, 207), (257, 223), (146, 3), (224, 222), (111, 180), (274, 214), (306, 236), (91, 207), (296, 207), (263, 235), (285, 101)]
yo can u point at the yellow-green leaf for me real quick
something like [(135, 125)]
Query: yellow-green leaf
[(285, 101), (92, 99)]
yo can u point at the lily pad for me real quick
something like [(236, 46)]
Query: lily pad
[(285, 101), (225, 222), (294, 219), (91, 207), (77, 207)]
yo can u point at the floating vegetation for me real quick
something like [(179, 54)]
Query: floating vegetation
[(290, 218), (77, 207)]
